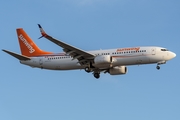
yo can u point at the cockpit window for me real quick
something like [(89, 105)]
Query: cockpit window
[(164, 50)]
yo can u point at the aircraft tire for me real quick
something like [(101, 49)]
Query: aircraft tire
[(158, 67), (97, 75), (87, 69)]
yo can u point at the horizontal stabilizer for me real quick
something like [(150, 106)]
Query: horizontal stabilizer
[(20, 57)]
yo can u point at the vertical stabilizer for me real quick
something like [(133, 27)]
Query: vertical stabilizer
[(27, 46)]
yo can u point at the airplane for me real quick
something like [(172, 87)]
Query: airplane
[(112, 61)]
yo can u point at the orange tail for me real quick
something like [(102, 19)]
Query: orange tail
[(28, 47)]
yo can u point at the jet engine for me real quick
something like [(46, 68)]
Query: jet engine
[(118, 70), (102, 59)]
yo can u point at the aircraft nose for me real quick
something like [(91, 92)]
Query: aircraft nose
[(174, 55)]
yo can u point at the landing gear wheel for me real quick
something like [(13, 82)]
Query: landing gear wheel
[(158, 67), (87, 69), (96, 75)]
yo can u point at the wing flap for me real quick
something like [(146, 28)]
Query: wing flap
[(20, 57)]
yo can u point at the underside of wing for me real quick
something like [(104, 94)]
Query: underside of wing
[(82, 56)]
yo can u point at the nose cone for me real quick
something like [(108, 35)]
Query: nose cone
[(173, 55)]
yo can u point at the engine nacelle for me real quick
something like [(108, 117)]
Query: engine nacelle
[(102, 59), (118, 70)]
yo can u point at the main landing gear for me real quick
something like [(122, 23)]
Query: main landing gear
[(97, 75), (96, 72), (88, 69)]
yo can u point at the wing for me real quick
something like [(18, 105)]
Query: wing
[(20, 57), (82, 56)]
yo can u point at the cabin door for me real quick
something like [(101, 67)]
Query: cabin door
[(153, 50), (41, 61)]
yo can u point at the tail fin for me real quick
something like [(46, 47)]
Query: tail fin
[(28, 47)]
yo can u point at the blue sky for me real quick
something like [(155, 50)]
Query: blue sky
[(143, 93)]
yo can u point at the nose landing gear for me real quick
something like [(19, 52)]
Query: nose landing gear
[(159, 63), (158, 67)]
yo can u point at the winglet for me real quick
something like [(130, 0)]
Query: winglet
[(43, 33)]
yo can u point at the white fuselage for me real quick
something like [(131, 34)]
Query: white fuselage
[(121, 57)]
